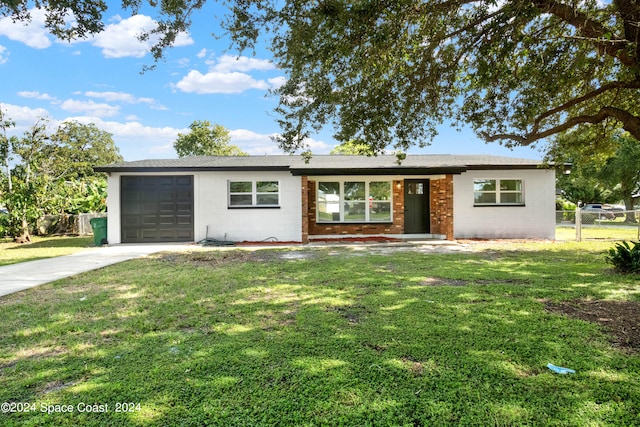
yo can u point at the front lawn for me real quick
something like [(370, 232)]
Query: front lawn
[(326, 336), (41, 247)]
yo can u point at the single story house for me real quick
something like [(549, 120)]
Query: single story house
[(284, 198)]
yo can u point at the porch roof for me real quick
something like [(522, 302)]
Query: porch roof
[(413, 164)]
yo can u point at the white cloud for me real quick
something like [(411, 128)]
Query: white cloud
[(317, 146), (125, 98), (3, 54), (90, 108), (33, 33), (133, 130), (202, 53), (254, 143), (136, 140), (113, 96), (228, 63), (36, 95), (20, 114), (214, 82), (184, 62), (24, 117), (120, 40), (262, 144), (277, 82), (229, 74)]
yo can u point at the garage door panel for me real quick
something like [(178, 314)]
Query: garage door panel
[(184, 220), (184, 196), (130, 220), (167, 220), (169, 207), (167, 181), (165, 195), (148, 220), (183, 208), (184, 181), (183, 235), (147, 235), (129, 235), (167, 234), (156, 208), (146, 208), (147, 196)]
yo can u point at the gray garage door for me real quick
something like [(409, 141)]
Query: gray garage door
[(156, 209)]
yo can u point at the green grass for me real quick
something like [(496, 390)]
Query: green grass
[(231, 338), (41, 247)]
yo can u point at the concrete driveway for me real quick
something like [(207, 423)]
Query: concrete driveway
[(25, 275)]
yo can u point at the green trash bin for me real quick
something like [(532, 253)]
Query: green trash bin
[(99, 227)]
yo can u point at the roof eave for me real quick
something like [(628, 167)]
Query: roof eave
[(158, 169), (510, 167), (379, 171)]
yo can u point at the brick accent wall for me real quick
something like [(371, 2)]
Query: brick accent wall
[(441, 212), (441, 195), (396, 227)]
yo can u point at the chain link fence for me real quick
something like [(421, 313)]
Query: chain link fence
[(598, 225)]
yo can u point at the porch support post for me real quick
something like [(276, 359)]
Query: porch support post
[(305, 208), (442, 206)]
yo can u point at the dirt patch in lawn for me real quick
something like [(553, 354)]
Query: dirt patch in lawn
[(620, 319), (217, 258), (441, 281)]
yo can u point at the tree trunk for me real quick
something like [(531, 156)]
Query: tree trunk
[(630, 215), (24, 236)]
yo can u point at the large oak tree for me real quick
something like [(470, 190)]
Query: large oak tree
[(389, 72), (205, 139)]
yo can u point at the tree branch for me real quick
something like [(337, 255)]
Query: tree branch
[(589, 28), (634, 84), (630, 123)]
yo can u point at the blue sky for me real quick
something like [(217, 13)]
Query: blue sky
[(99, 81)]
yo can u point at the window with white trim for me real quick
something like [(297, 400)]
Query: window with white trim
[(354, 201), (498, 192), (254, 194)]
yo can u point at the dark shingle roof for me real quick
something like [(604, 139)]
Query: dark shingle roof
[(328, 164)]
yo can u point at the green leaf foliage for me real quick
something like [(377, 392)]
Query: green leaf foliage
[(610, 176), (389, 73), (352, 148), (206, 139), (76, 148), (625, 257), (52, 173)]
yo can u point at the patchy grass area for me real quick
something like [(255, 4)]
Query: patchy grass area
[(41, 247), (326, 336)]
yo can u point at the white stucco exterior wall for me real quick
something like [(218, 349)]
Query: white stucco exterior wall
[(113, 208), (211, 208), (250, 224), (534, 220)]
